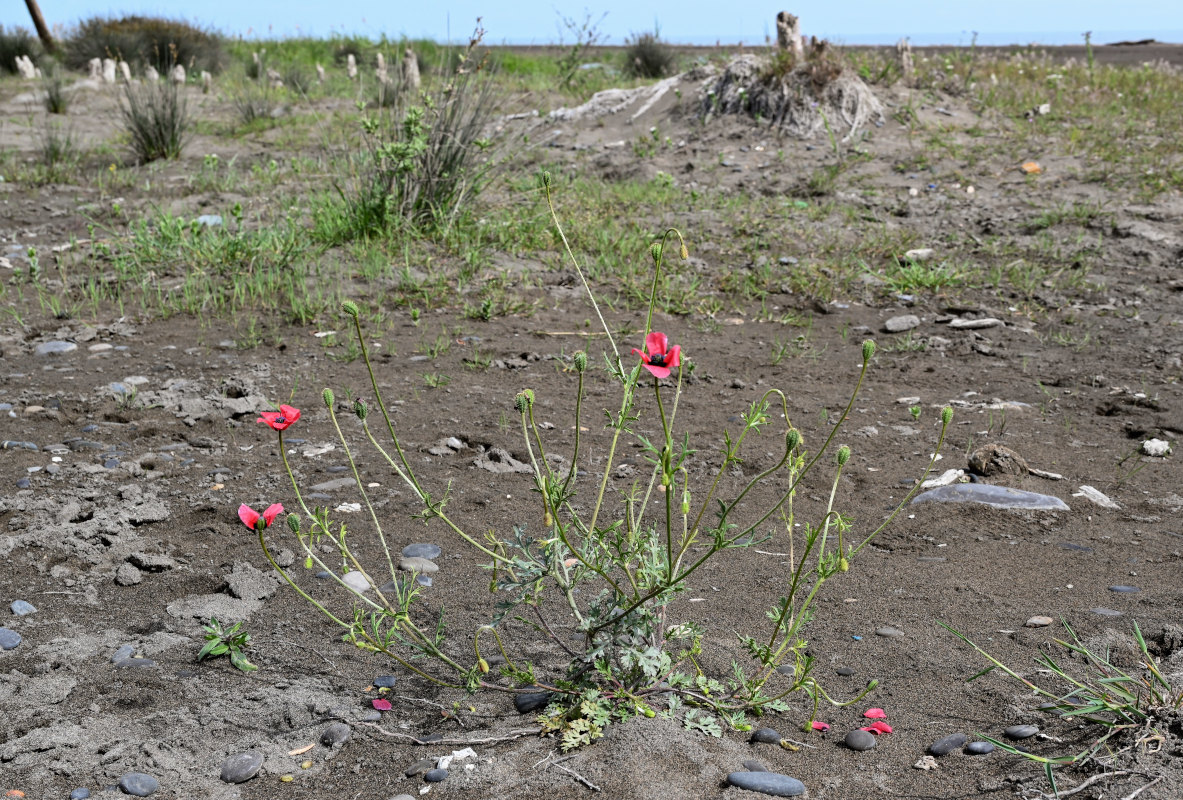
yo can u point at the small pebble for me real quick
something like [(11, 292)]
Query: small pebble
[(419, 767), (356, 581), (435, 775), (385, 681), (417, 565), (138, 784), (1020, 731), (1038, 622), (770, 783), (23, 608), (81, 793), (979, 748), (845, 672), (889, 632), (123, 653), (860, 740), (9, 639), (54, 348), (24, 483), (337, 733), (371, 716), (241, 767), (1106, 612), (428, 551), (947, 744), (752, 765), (765, 736)]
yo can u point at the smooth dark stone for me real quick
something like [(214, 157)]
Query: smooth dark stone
[(752, 765), (337, 733), (889, 632), (9, 639), (24, 483), (23, 608), (111, 463), (89, 428), (241, 767), (9, 444), (947, 744), (324, 574), (786, 669), (385, 681), (85, 444), (435, 775), (419, 767), (81, 793), (979, 748), (530, 701), (420, 550), (1020, 731), (860, 740), (765, 736), (138, 784), (845, 672), (1106, 612), (770, 783), (1124, 589)]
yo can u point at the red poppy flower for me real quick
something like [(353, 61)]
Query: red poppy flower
[(252, 518), (875, 713), (820, 726), (279, 420), (877, 728), (381, 705), (660, 358)]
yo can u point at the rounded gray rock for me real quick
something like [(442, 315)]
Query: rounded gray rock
[(422, 550), (526, 702), (905, 322), (337, 733), (55, 349), (860, 740), (138, 784), (754, 766), (9, 639), (385, 681), (241, 767), (770, 783), (421, 565), (435, 775), (23, 608), (979, 748), (947, 744), (81, 793), (419, 767), (889, 632), (1020, 731), (765, 736)]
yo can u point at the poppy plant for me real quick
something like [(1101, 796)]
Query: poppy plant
[(659, 357), (279, 420), (256, 521)]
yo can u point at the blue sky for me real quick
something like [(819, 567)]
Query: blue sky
[(688, 21)]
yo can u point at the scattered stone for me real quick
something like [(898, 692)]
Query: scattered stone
[(845, 672), (431, 737), (995, 459), (919, 254), (947, 744), (752, 765), (947, 478), (765, 736), (241, 767), (8, 444), (415, 564), (23, 608), (979, 748), (975, 324), (385, 681), (525, 702), (926, 763), (1105, 612), (127, 575), (1120, 589), (356, 581), (24, 483), (899, 324), (1156, 447), (427, 551), (419, 767), (337, 733), (372, 716), (138, 784), (123, 653), (770, 783), (1038, 622), (496, 459), (210, 220), (54, 348), (1017, 732), (81, 793), (247, 582), (889, 632), (996, 496), (152, 562), (435, 775), (9, 639), (1095, 496), (860, 740)]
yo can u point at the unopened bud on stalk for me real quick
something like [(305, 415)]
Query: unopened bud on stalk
[(350, 308), (868, 349), (294, 523), (545, 177), (685, 501), (946, 415), (843, 455), (843, 564), (684, 253), (655, 251), (523, 401), (328, 397), (792, 439), (308, 562), (483, 666), (547, 519), (580, 360), (361, 409)]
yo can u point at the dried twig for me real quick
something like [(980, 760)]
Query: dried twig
[(518, 734), (576, 776), (1141, 789), (1094, 779), (447, 712)]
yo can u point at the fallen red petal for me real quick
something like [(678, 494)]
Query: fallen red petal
[(380, 704), (820, 726), (877, 728), (875, 713)]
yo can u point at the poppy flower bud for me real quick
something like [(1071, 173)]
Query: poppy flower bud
[(685, 502), (308, 562), (523, 401), (361, 409), (547, 519), (328, 397), (483, 666), (843, 455), (655, 251), (843, 564), (294, 523), (545, 178), (350, 308), (868, 349), (792, 439), (946, 415), (580, 360), (684, 253)]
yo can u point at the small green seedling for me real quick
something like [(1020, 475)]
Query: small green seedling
[(219, 641), (915, 412)]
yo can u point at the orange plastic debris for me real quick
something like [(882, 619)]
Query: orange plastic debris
[(14, 793), (1031, 168)]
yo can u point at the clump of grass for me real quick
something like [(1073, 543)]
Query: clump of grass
[(647, 56), (156, 118), (255, 102), (56, 99), (17, 42), (156, 41), (58, 152)]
